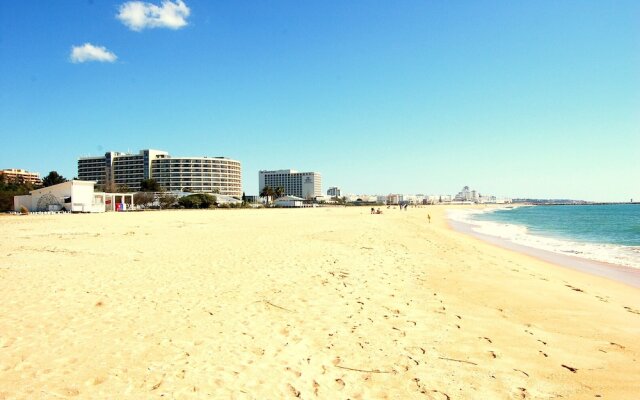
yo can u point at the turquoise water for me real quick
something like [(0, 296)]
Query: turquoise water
[(617, 224), (606, 233)]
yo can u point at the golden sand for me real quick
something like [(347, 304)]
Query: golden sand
[(327, 303)]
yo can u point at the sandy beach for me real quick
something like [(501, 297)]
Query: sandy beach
[(327, 303)]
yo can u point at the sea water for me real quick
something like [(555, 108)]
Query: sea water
[(606, 233)]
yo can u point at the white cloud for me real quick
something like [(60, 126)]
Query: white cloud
[(138, 15), (89, 52)]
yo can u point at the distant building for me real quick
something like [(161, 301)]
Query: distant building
[(361, 198), (305, 185), (368, 198), (13, 174), (252, 199), (194, 174), (487, 200), (494, 200), (324, 199), (467, 194), (333, 192), (408, 199), (289, 201), (464, 195), (393, 199)]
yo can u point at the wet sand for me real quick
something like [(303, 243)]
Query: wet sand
[(317, 303), (627, 275)]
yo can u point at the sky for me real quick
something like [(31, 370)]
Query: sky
[(535, 99)]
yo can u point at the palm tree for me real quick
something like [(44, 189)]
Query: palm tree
[(267, 192), (278, 192)]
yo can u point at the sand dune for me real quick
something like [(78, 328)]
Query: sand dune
[(315, 303)]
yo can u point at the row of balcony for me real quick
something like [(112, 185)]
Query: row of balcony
[(178, 183)]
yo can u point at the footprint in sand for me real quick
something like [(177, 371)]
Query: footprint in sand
[(574, 288), (416, 362), (402, 333), (97, 380), (572, 369), (521, 371), (292, 390), (522, 393), (69, 392), (446, 396), (415, 351)]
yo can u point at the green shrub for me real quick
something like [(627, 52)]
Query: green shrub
[(143, 198), (199, 200), (167, 200)]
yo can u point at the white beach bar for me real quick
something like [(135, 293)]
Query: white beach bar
[(289, 201), (73, 196)]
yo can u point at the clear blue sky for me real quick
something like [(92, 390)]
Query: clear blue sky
[(531, 99)]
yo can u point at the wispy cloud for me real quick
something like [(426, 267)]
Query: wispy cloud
[(88, 52), (138, 15)]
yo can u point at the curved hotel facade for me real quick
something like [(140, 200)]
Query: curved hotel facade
[(194, 174), (199, 174)]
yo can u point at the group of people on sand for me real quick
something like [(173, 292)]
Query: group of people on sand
[(378, 211)]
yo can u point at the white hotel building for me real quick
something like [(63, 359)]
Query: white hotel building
[(306, 185), (194, 174), (334, 192)]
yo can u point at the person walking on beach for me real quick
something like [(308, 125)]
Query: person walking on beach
[(429, 217)]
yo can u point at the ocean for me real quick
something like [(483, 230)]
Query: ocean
[(605, 233)]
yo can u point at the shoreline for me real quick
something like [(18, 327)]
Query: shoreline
[(620, 273)]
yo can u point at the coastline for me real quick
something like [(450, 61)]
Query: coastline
[(620, 273), (300, 303)]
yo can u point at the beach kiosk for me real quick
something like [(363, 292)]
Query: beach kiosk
[(74, 196)]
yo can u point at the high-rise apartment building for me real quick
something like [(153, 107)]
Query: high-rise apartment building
[(194, 174), (301, 184), (333, 192), (467, 195), (12, 174)]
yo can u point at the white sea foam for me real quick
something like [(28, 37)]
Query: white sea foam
[(622, 255)]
